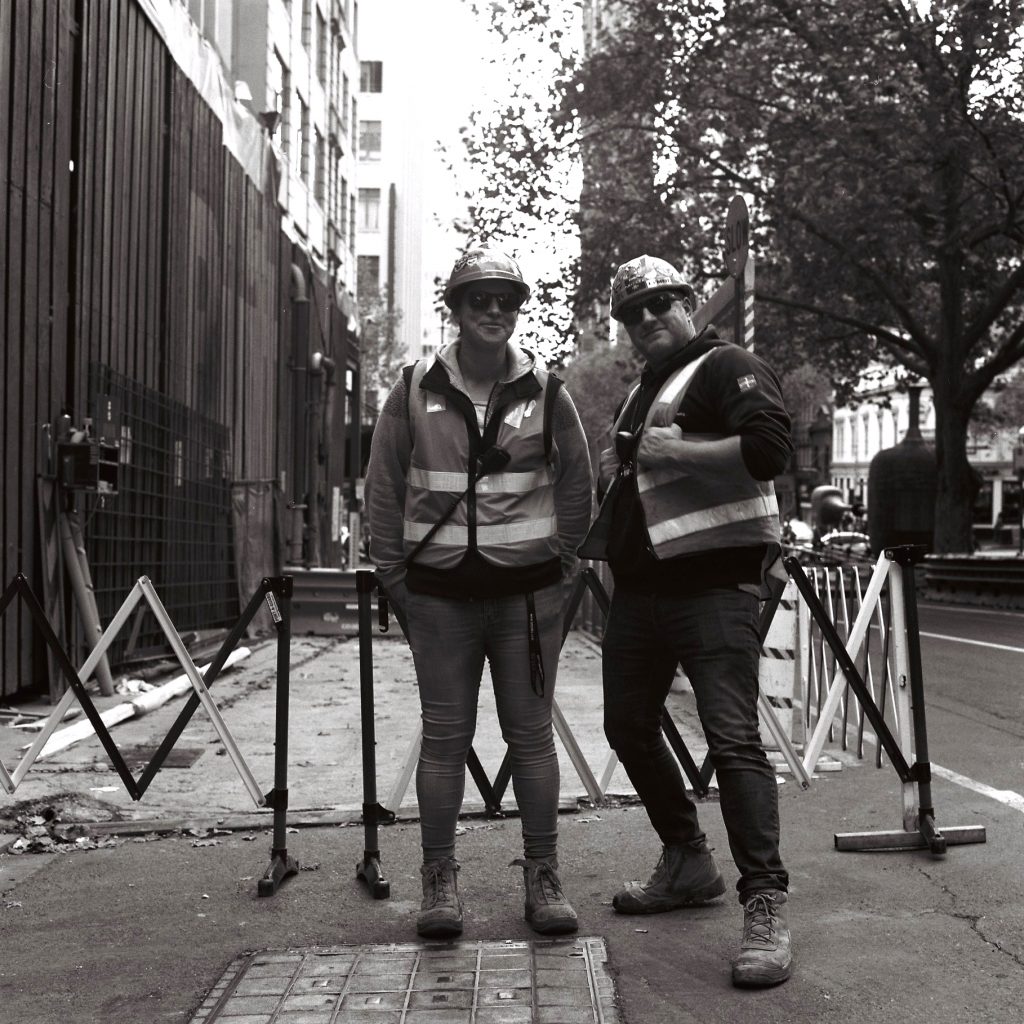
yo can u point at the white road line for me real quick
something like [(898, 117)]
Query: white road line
[(1004, 796), (976, 643)]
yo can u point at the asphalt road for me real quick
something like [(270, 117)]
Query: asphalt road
[(973, 665)]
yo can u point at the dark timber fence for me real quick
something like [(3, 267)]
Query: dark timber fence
[(139, 264)]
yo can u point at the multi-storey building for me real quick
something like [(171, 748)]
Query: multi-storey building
[(295, 65), (297, 60), (397, 161)]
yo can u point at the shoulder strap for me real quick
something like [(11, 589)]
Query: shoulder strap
[(407, 372), (554, 385), (673, 390)]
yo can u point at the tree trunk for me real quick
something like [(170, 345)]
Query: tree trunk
[(957, 483)]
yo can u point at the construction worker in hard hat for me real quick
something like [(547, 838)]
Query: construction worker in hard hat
[(691, 529), (478, 493)]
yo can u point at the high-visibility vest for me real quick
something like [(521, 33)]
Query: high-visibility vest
[(700, 511), (507, 516)]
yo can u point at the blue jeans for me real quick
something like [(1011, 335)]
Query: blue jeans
[(714, 636), (450, 640)]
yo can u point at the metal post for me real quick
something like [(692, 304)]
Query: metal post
[(369, 868), (904, 556), (281, 865)]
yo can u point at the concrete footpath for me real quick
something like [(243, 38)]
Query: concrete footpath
[(132, 912)]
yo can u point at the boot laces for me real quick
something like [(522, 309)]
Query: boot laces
[(548, 888), (760, 919), (660, 872), (440, 877)]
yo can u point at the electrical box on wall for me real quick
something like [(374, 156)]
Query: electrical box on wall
[(89, 465), (88, 459)]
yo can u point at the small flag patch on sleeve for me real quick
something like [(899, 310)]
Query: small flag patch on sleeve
[(747, 382)]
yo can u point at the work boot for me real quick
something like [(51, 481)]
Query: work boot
[(684, 877), (547, 910), (440, 915), (765, 957)]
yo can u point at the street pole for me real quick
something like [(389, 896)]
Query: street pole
[(1018, 468)]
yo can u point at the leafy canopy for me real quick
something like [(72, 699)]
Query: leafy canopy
[(880, 144)]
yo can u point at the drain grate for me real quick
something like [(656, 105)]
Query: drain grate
[(538, 982)]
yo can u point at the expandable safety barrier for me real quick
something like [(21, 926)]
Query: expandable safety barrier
[(595, 784), (276, 591), (810, 686), (855, 698)]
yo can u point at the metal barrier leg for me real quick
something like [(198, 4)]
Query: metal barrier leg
[(675, 741), (369, 869), (281, 865)]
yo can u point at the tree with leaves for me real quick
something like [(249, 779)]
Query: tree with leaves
[(880, 144), (381, 351)]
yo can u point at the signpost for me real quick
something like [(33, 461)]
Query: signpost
[(737, 235), (731, 307), (1018, 468)]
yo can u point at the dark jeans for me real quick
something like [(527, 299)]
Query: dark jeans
[(714, 636)]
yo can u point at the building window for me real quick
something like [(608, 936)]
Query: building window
[(353, 123), (369, 140), (302, 140), (321, 48), (369, 209), (344, 103), (307, 25), (320, 168), (278, 95), (371, 76), (352, 224), (369, 276), (983, 505)]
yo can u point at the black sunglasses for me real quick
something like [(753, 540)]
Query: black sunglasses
[(508, 302), (655, 304)]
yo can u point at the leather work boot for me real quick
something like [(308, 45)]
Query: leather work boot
[(683, 877), (547, 910), (765, 957), (440, 915)]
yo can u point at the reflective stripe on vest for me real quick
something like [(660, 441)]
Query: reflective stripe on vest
[(455, 483), (486, 536), (712, 518)]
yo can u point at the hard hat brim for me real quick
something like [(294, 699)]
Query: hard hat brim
[(684, 289), (452, 290)]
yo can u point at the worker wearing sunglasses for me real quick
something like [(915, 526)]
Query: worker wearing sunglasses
[(690, 529), (478, 492)]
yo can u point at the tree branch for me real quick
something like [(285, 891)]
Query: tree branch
[(906, 318), (974, 332), (888, 338)]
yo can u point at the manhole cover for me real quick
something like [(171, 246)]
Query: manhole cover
[(538, 982)]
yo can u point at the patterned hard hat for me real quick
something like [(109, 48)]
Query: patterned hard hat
[(483, 264), (644, 275)]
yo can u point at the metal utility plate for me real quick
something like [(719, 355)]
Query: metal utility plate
[(553, 981)]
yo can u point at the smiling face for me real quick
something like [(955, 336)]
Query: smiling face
[(482, 319), (660, 336)]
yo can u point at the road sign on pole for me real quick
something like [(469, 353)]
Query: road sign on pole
[(737, 236), (731, 307)]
